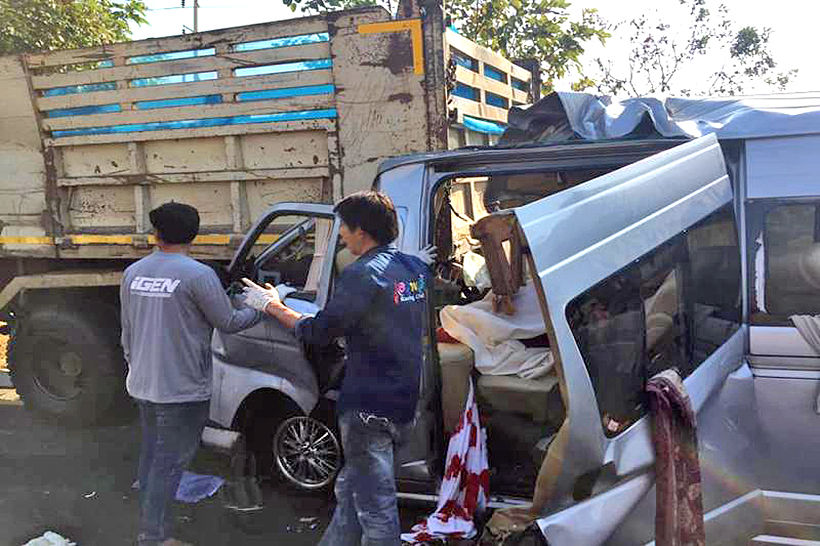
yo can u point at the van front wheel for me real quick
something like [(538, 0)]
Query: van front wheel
[(307, 452)]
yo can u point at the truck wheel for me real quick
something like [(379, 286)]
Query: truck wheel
[(66, 363)]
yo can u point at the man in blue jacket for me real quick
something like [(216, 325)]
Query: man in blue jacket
[(378, 306)]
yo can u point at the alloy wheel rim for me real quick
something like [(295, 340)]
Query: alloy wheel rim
[(307, 452)]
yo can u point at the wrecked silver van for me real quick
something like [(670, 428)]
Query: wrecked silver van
[(653, 235)]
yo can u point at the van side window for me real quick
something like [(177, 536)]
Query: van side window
[(786, 267), (672, 307)]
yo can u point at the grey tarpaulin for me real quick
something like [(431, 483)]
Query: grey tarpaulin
[(565, 116)]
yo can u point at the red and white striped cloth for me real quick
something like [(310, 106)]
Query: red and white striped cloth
[(465, 489)]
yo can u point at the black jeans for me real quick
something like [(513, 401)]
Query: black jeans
[(170, 438)]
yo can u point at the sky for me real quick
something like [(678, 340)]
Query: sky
[(793, 24)]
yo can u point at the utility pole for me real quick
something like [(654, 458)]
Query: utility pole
[(196, 17), (195, 77)]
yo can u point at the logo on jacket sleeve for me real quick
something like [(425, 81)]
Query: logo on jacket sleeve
[(409, 291), (158, 287)]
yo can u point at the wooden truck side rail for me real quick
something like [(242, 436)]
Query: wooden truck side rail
[(230, 121)]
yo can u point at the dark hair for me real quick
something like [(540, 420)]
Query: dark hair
[(176, 223), (371, 211)]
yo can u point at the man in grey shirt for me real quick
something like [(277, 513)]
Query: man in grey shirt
[(170, 306)]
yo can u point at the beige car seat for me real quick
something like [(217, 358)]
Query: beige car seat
[(513, 394), (507, 393), (456, 361)]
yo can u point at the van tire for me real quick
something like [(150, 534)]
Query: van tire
[(325, 453), (263, 430), (66, 362)]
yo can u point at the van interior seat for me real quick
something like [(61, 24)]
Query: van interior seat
[(506, 393), (456, 361), (513, 394)]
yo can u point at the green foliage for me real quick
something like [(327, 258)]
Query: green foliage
[(517, 29), (530, 29), (731, 60), (37, 25)]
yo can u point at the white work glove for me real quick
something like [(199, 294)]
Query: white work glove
[(426, 254), (285, 290), (257, 297)]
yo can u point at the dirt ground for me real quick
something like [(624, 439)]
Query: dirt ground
[(77, 482)]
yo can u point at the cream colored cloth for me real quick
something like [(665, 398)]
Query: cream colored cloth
[(494, 338)]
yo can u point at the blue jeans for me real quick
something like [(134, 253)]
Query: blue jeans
[(366, 510), (170, 438)]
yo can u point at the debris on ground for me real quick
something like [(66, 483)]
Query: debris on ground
[(304, 524), (310, 523), (90, 495), (50, 538), (196, 487), (193, 487), (9, 396)]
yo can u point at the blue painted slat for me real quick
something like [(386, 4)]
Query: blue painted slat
[(329, 113), (176, 78), (283, 42), (284, 93), (283, 67), (83, 111), (86, 88), (172, 56), (170, 103)]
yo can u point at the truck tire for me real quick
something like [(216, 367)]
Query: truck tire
[(66, 362)]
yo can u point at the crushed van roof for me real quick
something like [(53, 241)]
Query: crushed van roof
[(566, 116)]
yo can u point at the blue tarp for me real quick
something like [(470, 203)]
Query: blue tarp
[(483, 126)]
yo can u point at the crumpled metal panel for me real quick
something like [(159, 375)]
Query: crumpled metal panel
[(593, 521), (634, 213), (565, 116)]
